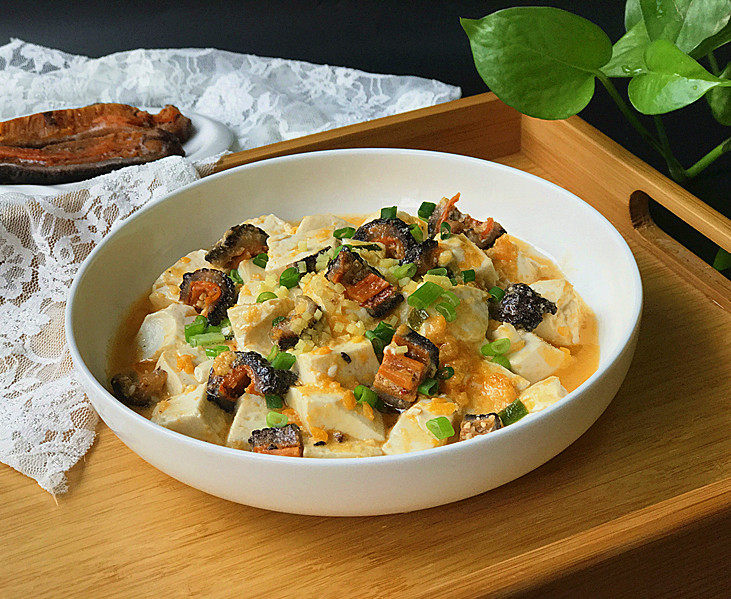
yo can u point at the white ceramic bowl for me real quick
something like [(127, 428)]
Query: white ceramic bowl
[(591, 253)]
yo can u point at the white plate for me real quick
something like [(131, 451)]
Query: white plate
[(209, 137), (585, 245)]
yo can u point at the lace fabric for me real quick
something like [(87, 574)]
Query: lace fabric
[(46, 422)]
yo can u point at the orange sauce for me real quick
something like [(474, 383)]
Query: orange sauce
[(121, 351)]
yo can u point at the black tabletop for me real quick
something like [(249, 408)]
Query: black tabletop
[(387, 36)]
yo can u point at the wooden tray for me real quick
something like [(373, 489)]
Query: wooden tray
[(636, 507)]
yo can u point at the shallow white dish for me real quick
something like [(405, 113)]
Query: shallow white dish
[(593, 256), (209, 138)]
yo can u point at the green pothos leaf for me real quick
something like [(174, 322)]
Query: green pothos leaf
[(719, 99)]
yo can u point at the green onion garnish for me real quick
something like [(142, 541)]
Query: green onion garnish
[(446, 310), (260, 260), (440, 427), (278, 319), (497, 347), (429, 387), (384, 331), (451, 298), (235, 276), (389, 212), (468, 275), (344, 233), (276, 419), (364, 394), (416, 318), (497, 293), (502, 361), (283, 361), (513, 412), (376, 342), (289, 278), (196, 327), (426, 209), (425, 295), (404, 270), (274, 402), (416, 232), (444, 373), (206, 339), (440, 272), (265, 296), (213, 351), (273, 353), (446, 230)]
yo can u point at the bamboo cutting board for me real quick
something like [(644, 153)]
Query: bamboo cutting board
[(640, 505)]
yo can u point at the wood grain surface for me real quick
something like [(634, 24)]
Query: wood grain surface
[(650, 480)]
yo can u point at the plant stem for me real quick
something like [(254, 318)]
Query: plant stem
[(709, 158), (714, 65), (627, 112), (677, 172)]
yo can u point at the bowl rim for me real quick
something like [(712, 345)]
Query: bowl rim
[(531, 421)]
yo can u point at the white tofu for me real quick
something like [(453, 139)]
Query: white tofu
[(530, 356), (177, 379), (543, 394), (251, 414), (523, 266), (193, 415), (162, 330), (202, 371), (166, 289), (473, 314), (361, 370), (251, 323), (271, 225), (410, 432), (459, 253), (564, 327), (321, 406), (351, 448), (313, 234)]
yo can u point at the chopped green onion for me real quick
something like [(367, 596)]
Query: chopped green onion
[(389, 212), (364, 394), (274, 402), (440, 427), (289, 278), (497, 293), (451, 298), (468, 275), (446, 230), (429, 387), (335, 251), (214, 351), (500, 346), (278, 319), (273, 353), (276, 419), (416, 232), (225, 322), (376, 342), (426, 209), (344, 233), (440, 272), (196, 327), (283, 361), (446, 310), (260, 260), (384, 331), (453, 281), (425, 295), (206, 339), (513, 412), (416, 318), (444, 373), (502, 361), (235, 276), (266, 296), (404, 270)]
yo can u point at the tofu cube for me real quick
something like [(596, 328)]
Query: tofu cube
[(271, 225), (191, 414), (177, 379), (530, 356), (251, 323), (357, 367), (323, 405), (542, 394), (515, 262), (166, 289), (410, 432), (251, 414), (564, 327), (162, 330), (473, 314), (459, 253)]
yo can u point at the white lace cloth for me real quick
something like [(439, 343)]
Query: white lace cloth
[(46, 422)]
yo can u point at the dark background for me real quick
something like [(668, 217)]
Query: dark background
[(387, 36)]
